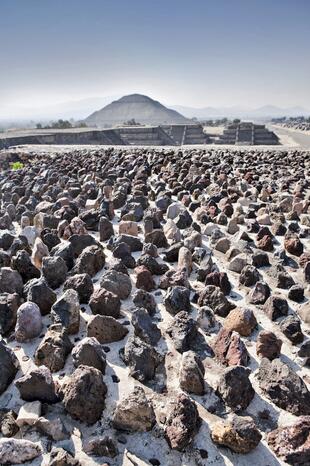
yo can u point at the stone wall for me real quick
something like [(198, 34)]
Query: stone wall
[(130, 135)]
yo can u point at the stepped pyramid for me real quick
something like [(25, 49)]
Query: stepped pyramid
[(248, 134)]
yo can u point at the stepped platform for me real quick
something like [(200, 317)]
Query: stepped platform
[(173, 135), (186, 134), (247, 134)]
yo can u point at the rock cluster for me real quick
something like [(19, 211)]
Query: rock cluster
[(142, 288)]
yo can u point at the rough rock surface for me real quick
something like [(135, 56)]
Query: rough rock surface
[(240, 434), (84, 380), (66, 311), (89, 352), (182, 423), (291, 443), (9, 366), (105, 302), (106, 329), (235, 388), (37, 384), (134, 413), (54, 348), (16, 451), (268, 345), (192, 374), (229, 349), (141, 358), (284, 387)]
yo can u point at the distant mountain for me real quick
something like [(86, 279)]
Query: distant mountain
[(267, 111), (77, 109), (139, 107)]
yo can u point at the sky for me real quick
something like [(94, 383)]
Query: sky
[(195, 53)]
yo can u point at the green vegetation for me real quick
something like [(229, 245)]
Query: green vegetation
[(17, 166), (131, 122), (62, 124)]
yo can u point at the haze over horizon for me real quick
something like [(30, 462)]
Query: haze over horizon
[(216, 53)]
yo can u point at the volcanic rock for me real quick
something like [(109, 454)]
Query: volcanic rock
[(239, 434), (235, 388), (229, 349), (192, 374), (291, 443), (9, 304), (141, 358), (106, 329), (9, 366), (82, 284), (117, 282), (37, 385), (89, 352), (38, 292), (284, 387), (134, 413), (144, 328), (84, 380), (268, 345), (105, 302), (182, 423), (66, 311), (177, 299), (54, 270), (54, 348), (16, 451)]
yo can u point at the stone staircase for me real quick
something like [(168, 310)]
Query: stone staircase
[(193, 134), (186, 134), (175, 133)]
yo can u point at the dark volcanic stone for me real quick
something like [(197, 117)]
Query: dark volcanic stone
[(38, 291), (9, 366), (37, 384), (213, 297), (141, 358), (219, 279), (89, 352), (84, 380), (182, 423), (105, 303), (106, 329), (177, 299), (9, 304), (183, 332), (82, 283), (235, 388), (284, 387), (22, 263), (54, 270), (276, 307), (54, 348), (144, 327), (116, 282), (291, 443), (144, 299), (291, 328)]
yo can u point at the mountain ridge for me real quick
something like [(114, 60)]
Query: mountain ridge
[(240, 112)]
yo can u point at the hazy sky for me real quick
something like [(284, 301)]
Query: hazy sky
[(187, 52)]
